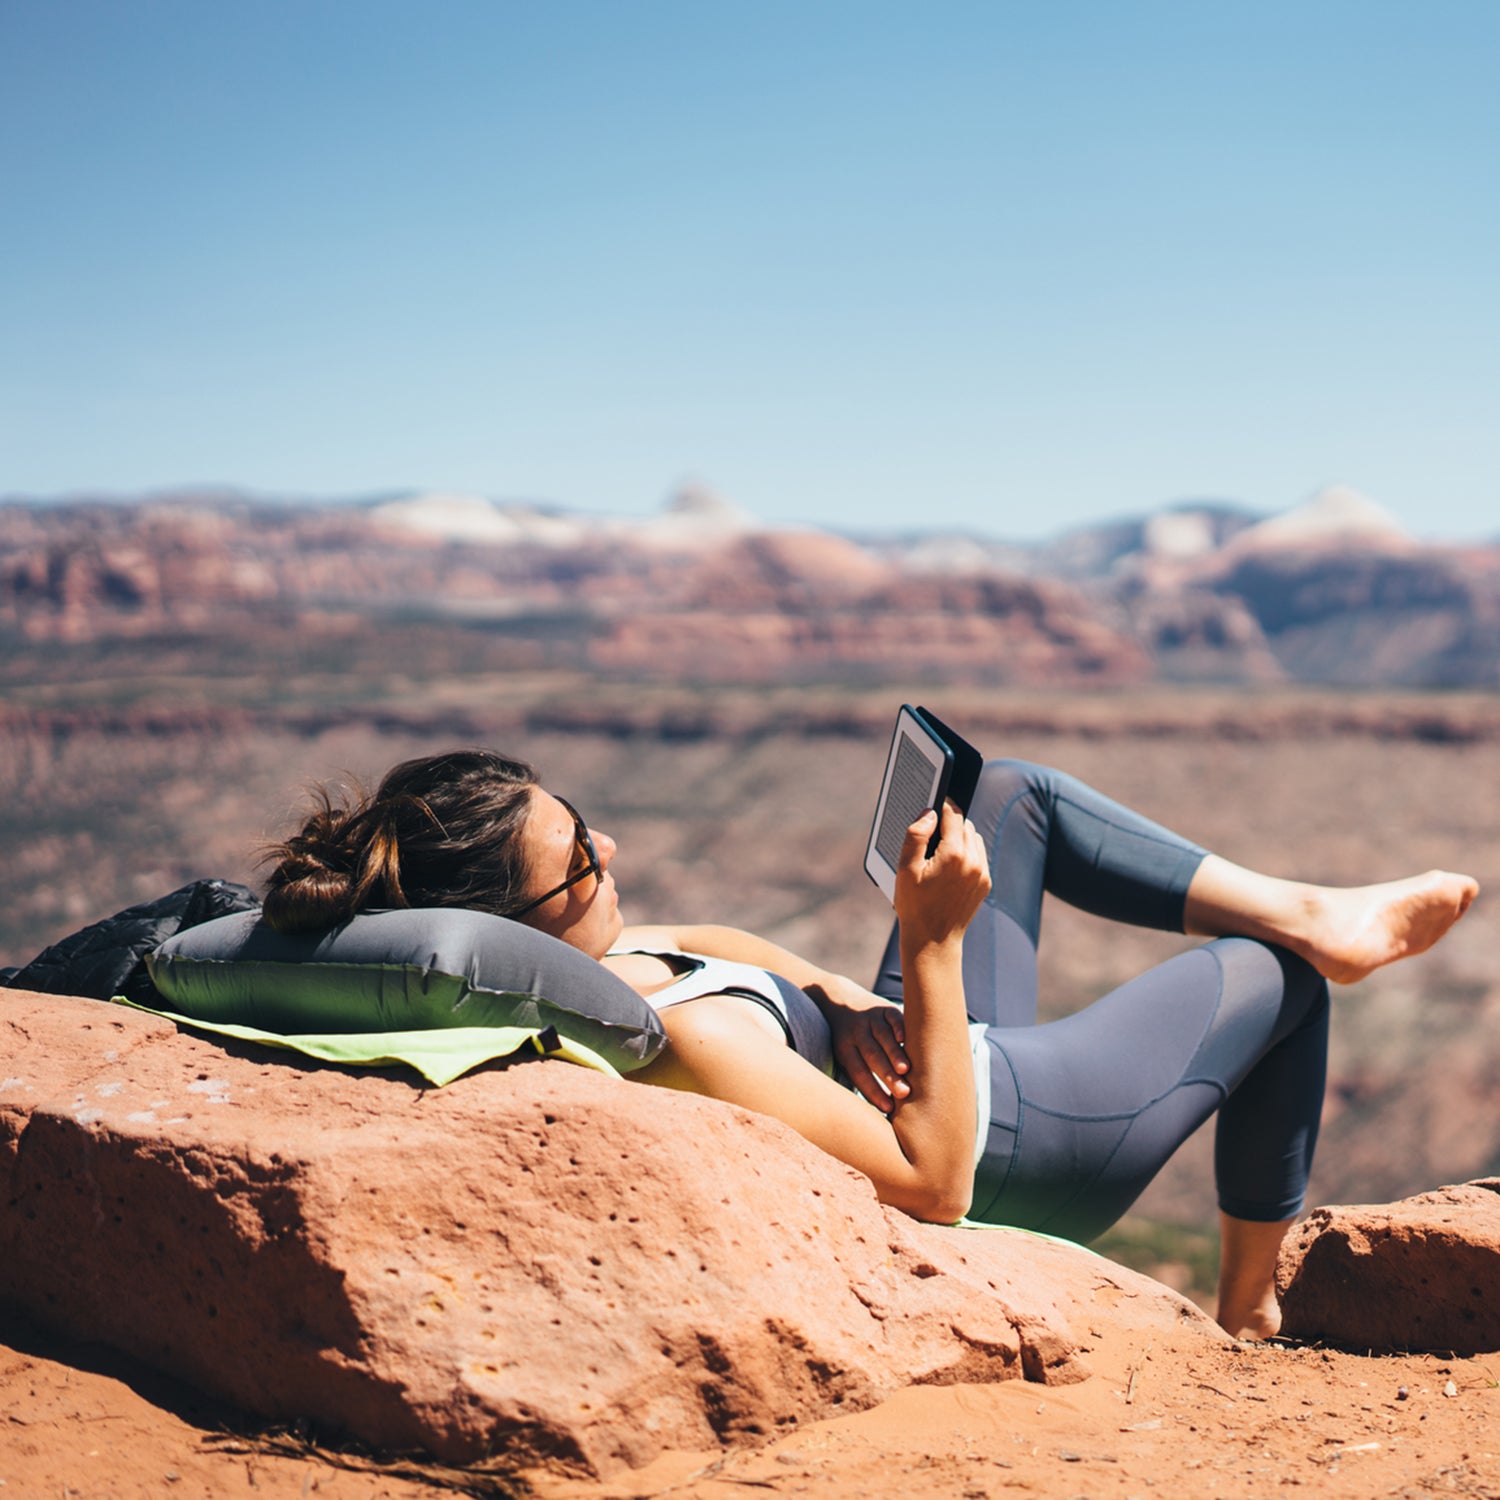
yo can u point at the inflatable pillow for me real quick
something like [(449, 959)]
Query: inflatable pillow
[(424, 969)]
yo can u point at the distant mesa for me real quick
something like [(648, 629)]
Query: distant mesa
[(471, 518), (708, 505), (1180, 534), (694, 516), (1333, 591), (1336, 515), (439, 515)]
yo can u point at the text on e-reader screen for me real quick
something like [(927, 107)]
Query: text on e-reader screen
[(911, 785)]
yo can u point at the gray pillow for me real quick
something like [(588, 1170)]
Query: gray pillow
[(411, 970)]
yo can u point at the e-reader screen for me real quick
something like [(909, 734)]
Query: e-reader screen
[(916, 778)]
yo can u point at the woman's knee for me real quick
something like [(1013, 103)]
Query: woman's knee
[(1004, 782), (1306, 989), (1285, 981), (1010, 776)]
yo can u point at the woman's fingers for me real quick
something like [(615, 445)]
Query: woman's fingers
[(941, 893), (959, 840), (884, 1096), (873, 1054), (891, 1035), (918, 836), (884, 1054)]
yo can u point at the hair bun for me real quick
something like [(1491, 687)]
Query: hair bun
[(312, 885), (308, 895)]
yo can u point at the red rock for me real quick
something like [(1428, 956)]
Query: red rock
[(537, 1261), (1415, 1275)]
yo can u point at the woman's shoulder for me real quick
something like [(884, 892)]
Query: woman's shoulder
[(646, 940)]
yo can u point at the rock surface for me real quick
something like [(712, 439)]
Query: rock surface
[(1415, 1275), (536, 1261)]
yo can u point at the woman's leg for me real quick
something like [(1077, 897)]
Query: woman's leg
[(1086, 1110), (1048, 832), (1344, 934), (1248, 1252)]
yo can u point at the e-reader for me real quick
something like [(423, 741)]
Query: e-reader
[(927, 762)]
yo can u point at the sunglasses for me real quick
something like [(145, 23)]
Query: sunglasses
[(585, 847)]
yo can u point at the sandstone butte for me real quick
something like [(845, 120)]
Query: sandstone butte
[(537, 1264)]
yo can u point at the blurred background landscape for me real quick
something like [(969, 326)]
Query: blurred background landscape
[(1312, 694)]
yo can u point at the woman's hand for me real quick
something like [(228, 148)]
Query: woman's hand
[(935, 901), (869, 1041), (936, 897)]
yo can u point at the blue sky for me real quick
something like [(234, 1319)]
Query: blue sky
[(996, 266)]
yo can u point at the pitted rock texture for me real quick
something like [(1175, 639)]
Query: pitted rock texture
[(1420, 1274), (536, 1262)]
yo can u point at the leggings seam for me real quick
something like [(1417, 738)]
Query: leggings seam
[(1185, 1081), (1182, 848), (1140, 833), (1133, 1116), (993, 899), (1015, 1145), (1182, 1078)]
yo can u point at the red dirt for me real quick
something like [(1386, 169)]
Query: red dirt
[(1236, 1421)]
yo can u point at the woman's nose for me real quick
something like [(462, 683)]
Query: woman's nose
[(604, 846)]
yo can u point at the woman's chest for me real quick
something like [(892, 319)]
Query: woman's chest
[(647, 973)]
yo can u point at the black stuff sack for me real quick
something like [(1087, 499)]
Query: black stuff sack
[(109, 958)]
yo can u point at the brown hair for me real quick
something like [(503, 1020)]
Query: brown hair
[(443, 830)]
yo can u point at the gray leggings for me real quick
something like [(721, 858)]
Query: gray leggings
[(1084, 1111)]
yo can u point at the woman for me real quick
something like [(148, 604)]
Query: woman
[(1078, 1114)]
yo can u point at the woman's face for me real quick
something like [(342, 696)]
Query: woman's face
[(587, 914)]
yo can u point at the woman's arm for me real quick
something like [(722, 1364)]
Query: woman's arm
[(921, 1158), (869, 1033), (731, 943)]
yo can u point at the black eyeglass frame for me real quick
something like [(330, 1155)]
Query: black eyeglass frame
[(584, 841)]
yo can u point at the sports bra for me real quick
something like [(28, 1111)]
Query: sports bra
[(795, 1012), (800, 1019)]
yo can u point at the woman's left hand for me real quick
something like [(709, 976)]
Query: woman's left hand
[(869, 1042)]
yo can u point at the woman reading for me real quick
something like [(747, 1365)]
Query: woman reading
[(1077, 1114)]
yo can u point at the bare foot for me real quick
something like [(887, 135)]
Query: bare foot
[(1255, 1324), (1249, 1249), (1351, 932)]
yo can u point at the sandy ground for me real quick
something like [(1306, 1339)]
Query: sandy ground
[(1235, 1420)]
